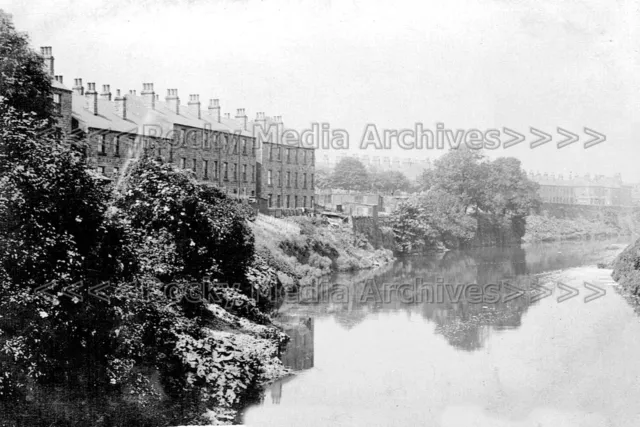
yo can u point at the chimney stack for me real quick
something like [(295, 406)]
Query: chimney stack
[(77, 86), (48, 60), (92, 99), (261, 120), (120, 104), (194, 105), (58, 79), (242, 118), (148, 95), (106, 92), (227, 115), (132, 92), (214, 109), (173, 101)]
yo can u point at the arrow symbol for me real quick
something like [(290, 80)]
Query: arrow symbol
[(517, 137), (70, 290), (571, 138), (572, 292), (544, 137), (96, 291), (513, 295), (44, 288), (599, 292), (597, 138), (543, 292)]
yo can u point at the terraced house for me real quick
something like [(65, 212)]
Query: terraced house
[(114, 128), (287, 168)]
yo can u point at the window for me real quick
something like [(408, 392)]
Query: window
[(235, 171), (288, 180), (205, 167), (269, 178), (271, 152), (312, 203), (183, 137), (183, 163), (288, 155), (100, 170), (304, 158), (215, 169), (278, 153), (253, 193), (312, 181), (244, 147), (304, 201), (57, 103), (225, 171), (288, 201), (295, 201), (278, 201), (194, 164), (313, 158), (279, 179), (304, 180), (295, 156), (103, 144), (295, 180), (270, 200), (116, 146), (244, 173), (116, 172), (253, 173)]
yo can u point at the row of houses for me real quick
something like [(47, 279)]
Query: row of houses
[(244, 158), (598, 190)]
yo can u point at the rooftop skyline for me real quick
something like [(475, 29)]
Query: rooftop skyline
[(359, 63)]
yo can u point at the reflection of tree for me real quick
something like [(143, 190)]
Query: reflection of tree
[(466, 325)]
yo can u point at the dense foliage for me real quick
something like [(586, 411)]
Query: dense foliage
[(460, 189), (150, 350)]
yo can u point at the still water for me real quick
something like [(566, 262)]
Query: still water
[(521, 361)]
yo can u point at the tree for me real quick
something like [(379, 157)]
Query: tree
[(350, 174), (506, 189), (24, 84), (322, 178), (388, 181), (459, 173)]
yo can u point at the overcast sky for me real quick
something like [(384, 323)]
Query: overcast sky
[(464, 63)]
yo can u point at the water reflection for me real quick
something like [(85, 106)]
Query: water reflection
[(455, 362)]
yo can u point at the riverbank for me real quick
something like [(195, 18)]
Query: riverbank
[(562, 225)]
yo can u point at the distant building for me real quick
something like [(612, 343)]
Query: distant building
[(220, 151), (587, 190)]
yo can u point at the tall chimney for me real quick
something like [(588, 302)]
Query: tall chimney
[(48, 60), (77, 86), (214, 109), (242, 118), (194, 105), (120, 105), (261, 120), (148, 95), (173, 101), (106, 92), (92, 99)]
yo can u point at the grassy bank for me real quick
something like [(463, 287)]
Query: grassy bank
[(304, 248), (548, 228)]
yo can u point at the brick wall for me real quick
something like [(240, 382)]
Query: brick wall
[(283, 172), (62, 111)]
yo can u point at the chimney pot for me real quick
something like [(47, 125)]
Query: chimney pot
[(120, 105), (214, 109), (48, 60), (173, 101), (194, 105), (92, 99), (148, 95), (77, 86)]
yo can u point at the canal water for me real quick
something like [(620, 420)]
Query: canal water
[(402, 357)]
